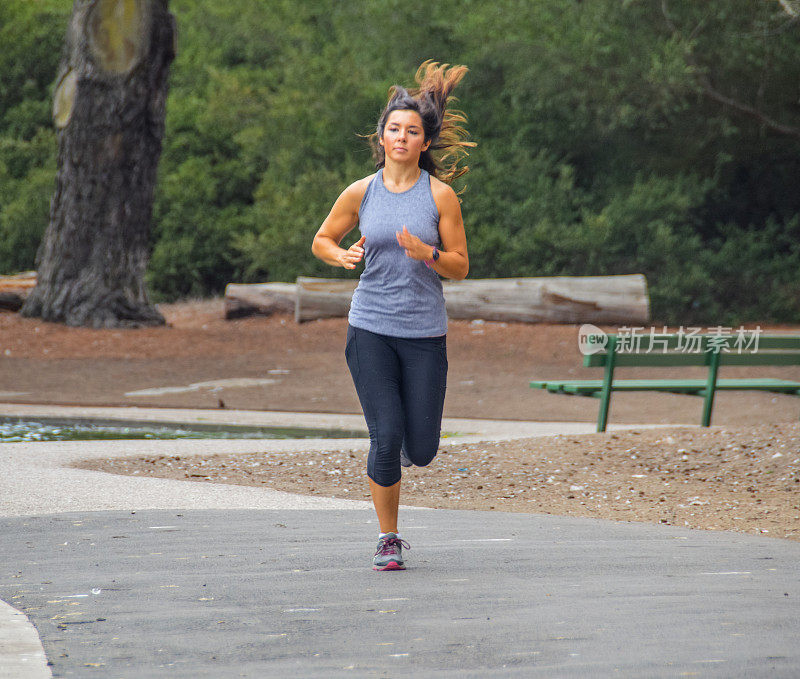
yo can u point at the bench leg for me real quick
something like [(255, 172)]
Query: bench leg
[(711, 387), (602, 417), (608, 380)]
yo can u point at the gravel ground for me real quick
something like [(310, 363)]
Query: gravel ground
[(723, 478)]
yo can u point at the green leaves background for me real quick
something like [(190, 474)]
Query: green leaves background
[(603, 144)]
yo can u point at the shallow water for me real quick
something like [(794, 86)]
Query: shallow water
[(17, 430)]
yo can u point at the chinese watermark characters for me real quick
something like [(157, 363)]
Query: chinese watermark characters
[(641, 340)]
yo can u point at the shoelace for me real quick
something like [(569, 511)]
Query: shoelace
[(389, 546)]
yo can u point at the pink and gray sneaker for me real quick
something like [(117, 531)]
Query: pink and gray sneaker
[(389, 555)]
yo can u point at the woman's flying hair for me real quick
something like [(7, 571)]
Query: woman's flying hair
[(443, 126)]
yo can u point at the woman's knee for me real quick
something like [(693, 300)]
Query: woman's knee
[(383, 462), (383, 469), (385, 478), (422, 455)]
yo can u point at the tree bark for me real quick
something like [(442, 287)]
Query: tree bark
[(109, 109)]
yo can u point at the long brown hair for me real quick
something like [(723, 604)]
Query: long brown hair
[(442, 125)]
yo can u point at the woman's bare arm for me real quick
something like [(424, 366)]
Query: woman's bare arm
[(453, 259), (341, 220)]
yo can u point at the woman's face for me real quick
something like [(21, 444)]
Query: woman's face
[(403, 137)]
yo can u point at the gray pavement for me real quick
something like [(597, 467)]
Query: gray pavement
[(285, 593), (139, 577)]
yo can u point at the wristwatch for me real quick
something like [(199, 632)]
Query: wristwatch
[(434, 257)]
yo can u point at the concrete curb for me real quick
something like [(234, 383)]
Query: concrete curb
[(21, 652)]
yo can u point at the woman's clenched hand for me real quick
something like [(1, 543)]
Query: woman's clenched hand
[(353, 255), (413, 246)]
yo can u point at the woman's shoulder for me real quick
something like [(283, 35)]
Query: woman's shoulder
[(354, 194), (443, 194)]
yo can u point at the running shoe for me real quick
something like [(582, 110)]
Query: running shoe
[(389, 555), (404, 459)]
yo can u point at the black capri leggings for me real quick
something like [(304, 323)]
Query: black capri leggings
[(401, 384)]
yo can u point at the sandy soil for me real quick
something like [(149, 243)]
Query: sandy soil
[(743, 474)]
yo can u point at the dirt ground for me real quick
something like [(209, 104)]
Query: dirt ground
[(744, 479), (491, 365), (742, 474)]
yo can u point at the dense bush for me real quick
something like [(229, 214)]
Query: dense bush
[(614, 137)]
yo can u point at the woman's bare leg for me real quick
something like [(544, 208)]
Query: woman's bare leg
[(386, 500)]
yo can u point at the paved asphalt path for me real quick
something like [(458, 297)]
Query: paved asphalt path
[(131, 578), (290, 593)]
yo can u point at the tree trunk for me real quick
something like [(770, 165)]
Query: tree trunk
[(109, 109)]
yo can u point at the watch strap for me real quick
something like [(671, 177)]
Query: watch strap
[(434, 258)]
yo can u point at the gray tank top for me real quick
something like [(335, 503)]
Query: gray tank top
[(398, 295)]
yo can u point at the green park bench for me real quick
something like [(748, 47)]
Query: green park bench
[(670, 351)]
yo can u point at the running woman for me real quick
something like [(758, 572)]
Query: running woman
[(411, 233)]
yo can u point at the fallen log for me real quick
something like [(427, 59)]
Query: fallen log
[(15, 288), (554, 299), (323, 298), (262, 299)]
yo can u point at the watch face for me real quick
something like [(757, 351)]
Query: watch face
[(435, 254)]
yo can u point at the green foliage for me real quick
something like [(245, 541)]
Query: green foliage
[(24, 220), (756, 267), (604, 143), (196, 220), (27, 171), (31, 34)]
